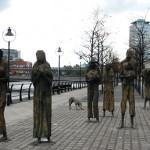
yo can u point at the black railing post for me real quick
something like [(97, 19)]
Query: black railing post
[(21, 92), (29, 91), (11, 93)]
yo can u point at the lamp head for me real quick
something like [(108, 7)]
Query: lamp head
[(59, 50), (9, 33)]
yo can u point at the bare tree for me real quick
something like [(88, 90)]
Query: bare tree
[(140, 43), (96, 38), (97, 41)]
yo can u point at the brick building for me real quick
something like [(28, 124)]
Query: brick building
[(20, 67), (17, 65)]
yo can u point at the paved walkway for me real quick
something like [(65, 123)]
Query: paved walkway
[(71, 131)]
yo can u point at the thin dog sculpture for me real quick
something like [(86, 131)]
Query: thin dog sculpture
[(76, 101)]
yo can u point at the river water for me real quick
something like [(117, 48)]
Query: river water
[(16, 86)]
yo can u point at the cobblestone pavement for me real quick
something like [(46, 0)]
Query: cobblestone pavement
[(71, 131)]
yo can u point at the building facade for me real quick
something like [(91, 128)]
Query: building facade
[(17, 65), (14, 54), (20, 67)]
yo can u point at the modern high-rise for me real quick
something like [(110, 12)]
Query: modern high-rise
[(139, 39), (14, 54)]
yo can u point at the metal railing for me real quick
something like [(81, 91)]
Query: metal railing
[(20, 91)]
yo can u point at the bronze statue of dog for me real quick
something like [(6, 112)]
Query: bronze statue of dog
[(76, 101)]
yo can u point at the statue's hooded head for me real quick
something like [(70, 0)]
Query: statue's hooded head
[(129, 53), (93, 62), (40, 55)]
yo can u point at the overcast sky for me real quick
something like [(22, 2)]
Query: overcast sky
[(48, 24)]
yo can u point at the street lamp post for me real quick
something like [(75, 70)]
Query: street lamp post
[(9, 35), (80, 70), (59, 52)]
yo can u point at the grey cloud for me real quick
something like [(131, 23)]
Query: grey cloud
[(118, 6), (4, 4)]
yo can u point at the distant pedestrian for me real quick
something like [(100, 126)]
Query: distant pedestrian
[(146, 77), (3, 90), (93, 80), (127, 76), (42, 106), (108, 101)]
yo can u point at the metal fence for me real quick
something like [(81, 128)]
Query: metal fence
[(21, 90)]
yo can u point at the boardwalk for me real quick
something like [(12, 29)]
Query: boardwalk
[(71, 131)]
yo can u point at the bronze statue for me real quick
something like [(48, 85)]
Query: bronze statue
[(93, 80), (42, 106), (3, 90), (76, 101), (127, 76), (146, 77), (108, 101)]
